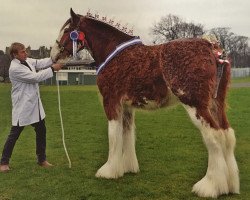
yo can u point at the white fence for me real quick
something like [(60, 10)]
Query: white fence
[(240, 72)]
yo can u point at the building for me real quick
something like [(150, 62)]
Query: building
[(42, 52), (84, 74), (79, 72)]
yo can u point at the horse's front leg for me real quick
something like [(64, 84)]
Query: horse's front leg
[(113, 168), (130, 161)]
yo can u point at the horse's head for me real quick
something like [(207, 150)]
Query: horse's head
[(99, 35), (63, 48)]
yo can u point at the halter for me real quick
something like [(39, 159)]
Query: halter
[(75, 35), (80, 42)]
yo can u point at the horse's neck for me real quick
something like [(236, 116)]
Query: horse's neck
[(103, 40)]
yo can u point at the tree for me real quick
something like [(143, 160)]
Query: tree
[(224, 36), (173, 27), (4, 67), (236, 46)]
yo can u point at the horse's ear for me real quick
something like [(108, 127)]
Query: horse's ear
[(74, 16)]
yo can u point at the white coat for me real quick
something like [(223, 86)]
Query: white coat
[(25, 95)]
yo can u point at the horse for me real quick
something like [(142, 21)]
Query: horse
[(132, 75)]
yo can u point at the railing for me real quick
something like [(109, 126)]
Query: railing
[(240, 72)]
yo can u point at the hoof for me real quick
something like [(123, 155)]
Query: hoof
[(110, 172), (208, 188), (131, 167)]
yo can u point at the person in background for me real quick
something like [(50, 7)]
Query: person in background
[(27, 109)]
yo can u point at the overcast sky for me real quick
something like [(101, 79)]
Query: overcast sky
[(37, 22)]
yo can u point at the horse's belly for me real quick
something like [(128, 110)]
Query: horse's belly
[(152, 104)]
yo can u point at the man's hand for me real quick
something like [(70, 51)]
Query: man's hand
[(57, 66)]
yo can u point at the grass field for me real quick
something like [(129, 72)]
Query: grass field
[(241, 80), (170, 151)]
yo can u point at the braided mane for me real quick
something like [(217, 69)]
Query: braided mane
[(110, 22), (104, 20)]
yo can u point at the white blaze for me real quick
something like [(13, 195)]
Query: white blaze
[(55, 49)]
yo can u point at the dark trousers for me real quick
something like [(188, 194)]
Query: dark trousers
[(15, 132)]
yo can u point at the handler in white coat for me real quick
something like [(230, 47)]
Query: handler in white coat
[(27, 108)]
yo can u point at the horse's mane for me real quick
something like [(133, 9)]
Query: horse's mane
[(110, 23), (103, 21)]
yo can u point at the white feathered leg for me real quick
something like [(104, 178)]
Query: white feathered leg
[(233, 182), (113, 168), (215, 182), (130, 161)]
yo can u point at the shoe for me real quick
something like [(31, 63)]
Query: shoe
[(45, 164), (4, 168)]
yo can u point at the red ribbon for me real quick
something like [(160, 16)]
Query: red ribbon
[(81, 36)]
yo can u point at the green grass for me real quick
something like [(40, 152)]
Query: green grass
[(241, 80), (170, 151)]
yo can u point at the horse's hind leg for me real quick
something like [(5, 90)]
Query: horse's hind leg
[(130, 161), (217, 109), (233, 181), (215, 182), (113, 168)]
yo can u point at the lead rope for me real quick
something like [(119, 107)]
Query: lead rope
[(60, 113), (74, 37)]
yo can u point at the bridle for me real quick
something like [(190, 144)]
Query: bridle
[(81, 41)]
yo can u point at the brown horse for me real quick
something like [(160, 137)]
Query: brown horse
[(134, 75)]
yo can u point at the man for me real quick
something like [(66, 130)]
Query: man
[(27, 108)]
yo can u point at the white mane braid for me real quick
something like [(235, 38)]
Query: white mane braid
[(110, 22)]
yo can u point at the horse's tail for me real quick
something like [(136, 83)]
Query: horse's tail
[(223, 76)]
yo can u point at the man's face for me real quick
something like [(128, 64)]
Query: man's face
[(21, 55)]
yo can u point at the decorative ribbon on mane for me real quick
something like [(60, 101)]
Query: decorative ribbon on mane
[(119, 48)]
